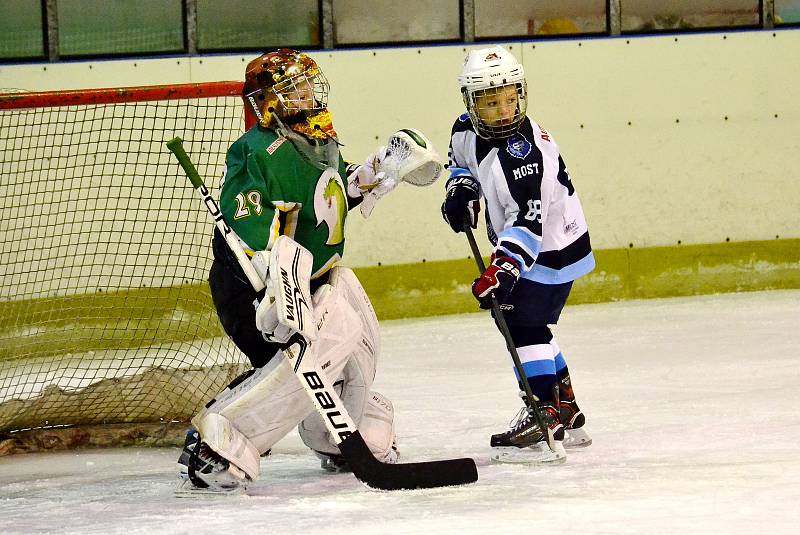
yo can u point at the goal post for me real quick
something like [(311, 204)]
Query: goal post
[(105, 312)]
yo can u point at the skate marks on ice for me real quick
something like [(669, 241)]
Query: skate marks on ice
[(691, 405)]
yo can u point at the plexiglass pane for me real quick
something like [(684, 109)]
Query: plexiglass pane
[(376, 21), (654, 15), (506, 18), (237, 24), (21, 33), (787, 11), (94, 27)]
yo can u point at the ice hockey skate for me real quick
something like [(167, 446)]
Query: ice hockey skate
[(573, 420), (336, 463), (525, 443), (192, 439), (332, 462), (203, 471)]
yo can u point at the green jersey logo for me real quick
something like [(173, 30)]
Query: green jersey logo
[(330, 205)]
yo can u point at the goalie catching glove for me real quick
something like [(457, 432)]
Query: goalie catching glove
[(408, 156), (498, 279)]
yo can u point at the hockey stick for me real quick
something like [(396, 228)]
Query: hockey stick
[(503, 326), (176, 147), (365, 466)]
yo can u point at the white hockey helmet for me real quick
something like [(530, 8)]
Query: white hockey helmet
[(487, 72)]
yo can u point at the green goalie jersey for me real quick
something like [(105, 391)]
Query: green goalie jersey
[(271, 189)]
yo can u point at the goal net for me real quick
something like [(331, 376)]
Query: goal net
[(105, 312)]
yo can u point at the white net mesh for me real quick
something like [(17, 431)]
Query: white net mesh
[(105, 315)]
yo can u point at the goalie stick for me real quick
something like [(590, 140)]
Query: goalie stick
[(370, 471), (530, 400)]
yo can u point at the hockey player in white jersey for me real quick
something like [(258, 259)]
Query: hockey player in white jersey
[(541, 240)]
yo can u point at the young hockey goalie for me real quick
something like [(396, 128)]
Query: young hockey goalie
[(287, 190)]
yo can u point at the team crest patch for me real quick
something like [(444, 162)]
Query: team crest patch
[(518, 146), (463, 117), (275, 144)]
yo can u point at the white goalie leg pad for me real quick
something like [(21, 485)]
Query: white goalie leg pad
[(314, 433), (346, 282), (355, 381), (376, 428), (223, 437), (339, 333), (359, 373), (263, 408)]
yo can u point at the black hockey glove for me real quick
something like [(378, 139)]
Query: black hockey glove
[(498, 279), (461, 202)]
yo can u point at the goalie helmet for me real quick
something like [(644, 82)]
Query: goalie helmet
[(286, 84), (494, 91)]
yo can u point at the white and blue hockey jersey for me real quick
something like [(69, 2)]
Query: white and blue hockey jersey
[(533, 213)]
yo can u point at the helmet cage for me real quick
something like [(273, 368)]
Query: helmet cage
[(307, 92), (496, 129)]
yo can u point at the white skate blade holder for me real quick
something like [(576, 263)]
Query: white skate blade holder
[(539, 453), (186, 489), (576, 438)]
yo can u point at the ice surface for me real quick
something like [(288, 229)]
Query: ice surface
[(692, 404)]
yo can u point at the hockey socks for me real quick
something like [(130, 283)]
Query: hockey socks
[(540, 370)]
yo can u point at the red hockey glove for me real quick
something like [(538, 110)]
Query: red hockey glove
[(498, 279)]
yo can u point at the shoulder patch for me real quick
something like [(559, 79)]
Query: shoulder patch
[(275, 144), (464, 117), (518, 146)]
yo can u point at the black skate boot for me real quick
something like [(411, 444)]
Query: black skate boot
[(201, 470), (209, 470), (192, 439), (570, 415), (526, 443)]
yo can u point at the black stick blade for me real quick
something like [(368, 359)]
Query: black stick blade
[(405, 476)]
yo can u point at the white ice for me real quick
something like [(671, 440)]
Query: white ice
[(692, 404)]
